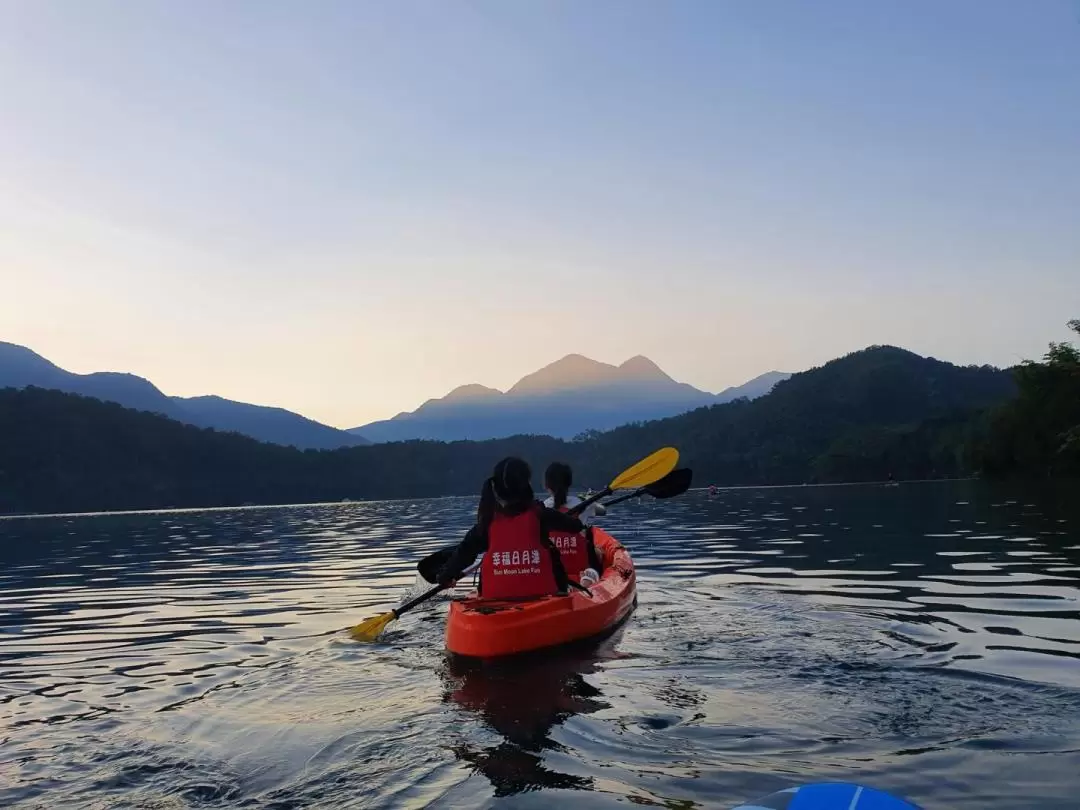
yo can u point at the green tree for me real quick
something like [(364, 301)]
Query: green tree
[(1038, 434)]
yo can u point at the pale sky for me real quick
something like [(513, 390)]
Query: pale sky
[(344, 208)]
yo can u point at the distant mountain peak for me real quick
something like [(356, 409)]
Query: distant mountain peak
[(470, 394), (472, 391), (640, 367), (13, 352), (752, 389), (562, 399), (572, 371)]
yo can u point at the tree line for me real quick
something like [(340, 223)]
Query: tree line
[(1037, 434), (869, 415)]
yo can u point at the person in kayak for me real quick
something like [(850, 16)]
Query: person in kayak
[(579, 555), (558, 478), (513, 532)]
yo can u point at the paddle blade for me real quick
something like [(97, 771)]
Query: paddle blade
[(371, 629), (432, 564), (648, 470), (674, 483)]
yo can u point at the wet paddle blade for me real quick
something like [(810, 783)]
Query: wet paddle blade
[(371, 629), (648, 470), (674, 483), (432, 564)]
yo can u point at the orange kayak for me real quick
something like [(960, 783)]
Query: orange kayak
[(488, 628)]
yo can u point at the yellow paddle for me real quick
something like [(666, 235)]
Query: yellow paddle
[(647, 471), (371, 629)]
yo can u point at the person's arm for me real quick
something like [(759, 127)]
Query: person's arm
[(554, 520), (474, 544), (596, 560)]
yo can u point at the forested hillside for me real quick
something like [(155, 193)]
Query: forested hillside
[(1037, 434), (864, 416)]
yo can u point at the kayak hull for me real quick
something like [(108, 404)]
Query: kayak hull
[(488, 628)]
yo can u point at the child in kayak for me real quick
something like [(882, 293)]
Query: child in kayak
[(513, 532), (579, 555)]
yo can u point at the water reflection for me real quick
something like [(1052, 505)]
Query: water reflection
[(522, 700), (921, 637)]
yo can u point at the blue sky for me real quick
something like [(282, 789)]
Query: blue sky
[(347, 208)]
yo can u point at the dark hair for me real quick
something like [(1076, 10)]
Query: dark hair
[(485, 510), (511, 480), (558, 477), (508, 491)]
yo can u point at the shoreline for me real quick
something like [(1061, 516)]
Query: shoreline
[(355, 501)]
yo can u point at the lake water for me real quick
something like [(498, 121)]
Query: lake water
[(923, 638)]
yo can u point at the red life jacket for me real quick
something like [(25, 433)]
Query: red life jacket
[(574, 549), (517, 564)]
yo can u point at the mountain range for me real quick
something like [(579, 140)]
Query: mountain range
[(20, 367), (569, 397), (862, 417)]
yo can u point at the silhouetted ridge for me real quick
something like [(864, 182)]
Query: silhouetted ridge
[(21, 367), (866, 415)]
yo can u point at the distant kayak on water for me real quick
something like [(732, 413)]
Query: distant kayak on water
[(829, 796)]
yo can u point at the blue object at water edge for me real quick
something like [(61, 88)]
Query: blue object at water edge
[(829, 796)]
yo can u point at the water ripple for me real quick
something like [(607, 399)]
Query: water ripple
[(924, 638)]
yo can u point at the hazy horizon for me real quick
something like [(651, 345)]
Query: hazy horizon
[(449, 390), (346, 209), (410, 408)]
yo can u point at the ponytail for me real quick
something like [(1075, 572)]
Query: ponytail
[(558, 477), (485, 510)]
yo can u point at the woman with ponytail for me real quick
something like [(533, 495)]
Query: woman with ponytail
[(579, 554), (558, 478)]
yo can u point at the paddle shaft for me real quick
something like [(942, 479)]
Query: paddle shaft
[(637, 493), (428, 594), (585, 504)]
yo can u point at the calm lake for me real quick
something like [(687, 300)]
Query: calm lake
[(923, 638)]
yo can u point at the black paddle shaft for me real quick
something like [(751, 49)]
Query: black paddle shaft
[(585, 504), (637, 493), (427, 594)]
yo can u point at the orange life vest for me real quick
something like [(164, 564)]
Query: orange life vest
[(574, 549), (518, 563)]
